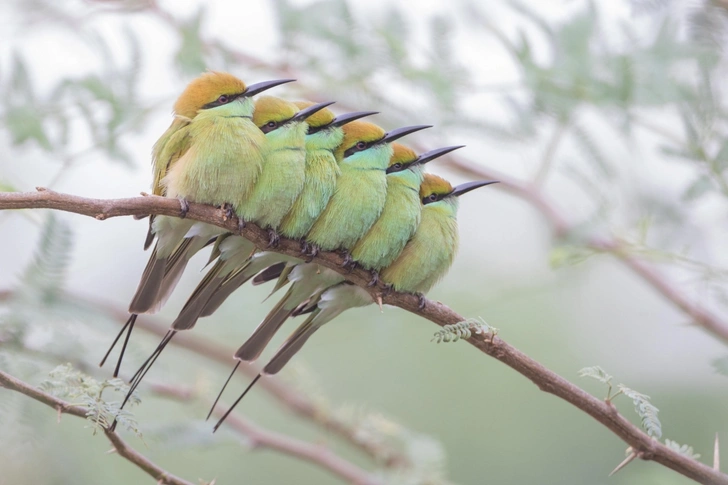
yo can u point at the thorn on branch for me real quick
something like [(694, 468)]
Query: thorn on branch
[(716, 454), (632, 455), (100, 217)]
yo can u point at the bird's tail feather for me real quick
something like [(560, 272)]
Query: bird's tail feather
[(292, 345)]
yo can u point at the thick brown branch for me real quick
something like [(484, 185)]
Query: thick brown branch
[(545, 379), (163, 477)]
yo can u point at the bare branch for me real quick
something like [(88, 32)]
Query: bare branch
[(261, 438), (436, 312), (122, 448)]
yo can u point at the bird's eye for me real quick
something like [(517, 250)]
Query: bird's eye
[(397, 166), (271, 124), (361, 145), (223, 99), (432, 197)]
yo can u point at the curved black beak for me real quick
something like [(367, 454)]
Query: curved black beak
[(257, 88), (306, 112), (349, 117), (468, 186), (393, 135), (435, 154)]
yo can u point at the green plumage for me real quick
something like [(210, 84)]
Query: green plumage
[(224, 158), (396, 224), (430, 253), (357, 202), (322, 170)]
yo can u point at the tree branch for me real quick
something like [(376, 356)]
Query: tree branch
[(261, 438), (436, 312), (122, 448)]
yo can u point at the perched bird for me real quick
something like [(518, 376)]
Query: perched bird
[(235, 266), (425, 259), (356, 204), (277, 187), (212, 153)]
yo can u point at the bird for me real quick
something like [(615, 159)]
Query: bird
[(211, 153), (424, 260), (356, 204), (284, 127)]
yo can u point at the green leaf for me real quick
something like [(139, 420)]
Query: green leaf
[(682, 449), (67, 383), (46, 273), (597, 373), (645, 410)]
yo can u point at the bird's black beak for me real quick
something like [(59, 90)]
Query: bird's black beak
[(258, 88), (468, 186), (393, 135), (306, 112), (349, 117), (435, 154)]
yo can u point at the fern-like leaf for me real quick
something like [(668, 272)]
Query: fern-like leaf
[(82, 390), (645, 410), (46, 273), (597, 373), (464, 330), (682, 449)]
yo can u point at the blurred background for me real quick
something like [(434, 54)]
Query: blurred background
[(606, 123)]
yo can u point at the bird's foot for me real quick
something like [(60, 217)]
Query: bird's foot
[(387, 289), (374, 280), (228, 212), (423, 301), (349, 264), (304, 247), (184, 208), (313, 250), (273, 238), (241, 225)]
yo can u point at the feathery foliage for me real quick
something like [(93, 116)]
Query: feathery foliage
[(67, 383), (463, 330)]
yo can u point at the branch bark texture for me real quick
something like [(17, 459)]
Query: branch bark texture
[(544, 379)]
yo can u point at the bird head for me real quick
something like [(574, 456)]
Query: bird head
[(213, 89), (404, 158), (272, 113), (436, 189), (361, 135), (317, 120)]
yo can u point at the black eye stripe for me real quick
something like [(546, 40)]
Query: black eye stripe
[(218, 102), (432, 198), (356, 148)]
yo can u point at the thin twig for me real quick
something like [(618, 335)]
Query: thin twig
[(562, 125), (260, 438), (122, 448), (545, 379)]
